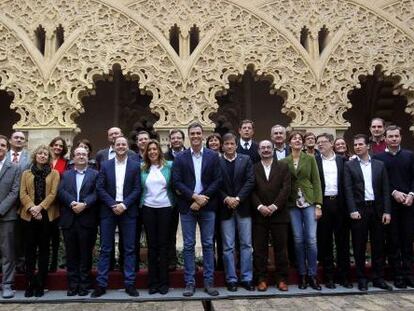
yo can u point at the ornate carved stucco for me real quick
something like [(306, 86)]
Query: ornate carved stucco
[(233, 35)]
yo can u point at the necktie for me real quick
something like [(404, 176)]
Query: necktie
[(246, 146), (15, 157)]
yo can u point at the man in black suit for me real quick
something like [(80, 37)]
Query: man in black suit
[(78, 220), (335, 219), (234, 213), (368, 199), (246, 144), (278, 138)]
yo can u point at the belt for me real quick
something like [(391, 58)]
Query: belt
[(369, 203), (330, 197)]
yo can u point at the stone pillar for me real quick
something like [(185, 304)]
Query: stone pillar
[(36, 137)]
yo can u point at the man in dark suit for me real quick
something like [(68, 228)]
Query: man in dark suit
[(246, 143), (9, 193), (335, 218), (278, 137), (176, 137), (400, 168), (234, 213), (196, 178), (270, 216), (78, 220), (118, 187), (368, 198)]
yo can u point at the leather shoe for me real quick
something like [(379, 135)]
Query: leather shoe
[(131, 291), (314, 283), (247, 285), (28, 292), (303, 283), (381, 284), (400, 283), (232, 287), (98, 292), (363, 285), (262, 286), (152, 290), (282, 286), (72, 292), (189, 290), (211, 291), (39, 292), (330, 284), (346, 284), (163, 289), (409, 282), (83, 292)]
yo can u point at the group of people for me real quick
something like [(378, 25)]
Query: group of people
[(303, 194)]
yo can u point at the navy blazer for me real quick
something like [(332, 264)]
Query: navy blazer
[(253, 152), (183, 178), (355, 186), (102, 156), (242, 182), (106, 188), (287, 152), (67, 194)]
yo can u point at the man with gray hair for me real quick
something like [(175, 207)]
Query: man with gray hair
[(278, 138), (9, 192)]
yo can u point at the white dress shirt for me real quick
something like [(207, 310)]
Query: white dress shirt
[(120, 169), (367, 172), (267, 169), (243, 144), (280, 153), (330, 174), (156, 195), (111, 153), (80, 175), (197, 162), (1, 163)]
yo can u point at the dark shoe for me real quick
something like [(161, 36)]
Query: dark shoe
[(189, 290), (346, 284), (83, 292), (152, 290), (29, 292), (363, 285), (211, 291), (400, 283), (330, 284), (247, 285), (262, 286), (39, 292), (381, 284), (131, 291), (282, 286), (98, 292), (409, 282), (314, 283), (72, 292), (303, 283), (232, 287), (164, 289)]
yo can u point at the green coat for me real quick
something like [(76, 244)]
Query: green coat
[(306, 177), (166, 172)]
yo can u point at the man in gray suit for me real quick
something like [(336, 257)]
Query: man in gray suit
[(9, 192)]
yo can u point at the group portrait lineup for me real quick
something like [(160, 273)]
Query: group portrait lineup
[(312, 198)]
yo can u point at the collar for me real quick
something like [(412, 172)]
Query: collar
[(3, 161), (197, 154), (243, 142), (364, 162), (372, 141), (393, 153), (264, 165), (328, 159), (81, 172), (111, 149), (281, 149), (228, 159), (121, 162)]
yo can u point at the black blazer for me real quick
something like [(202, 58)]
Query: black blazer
[(67, 194), (253, 152), (340, 164), (354, 186), (242, 182)]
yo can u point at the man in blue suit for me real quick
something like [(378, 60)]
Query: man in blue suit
[(118, 187), (196, 178), (78, 220)]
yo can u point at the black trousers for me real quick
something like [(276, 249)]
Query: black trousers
[(157, 225), (79, 243), (402, 231), (334, 226), (37, 238), (261, 228), (172, 248), (55, 241), (370, 225)]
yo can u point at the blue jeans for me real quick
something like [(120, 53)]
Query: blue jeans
[(304, 233), (127, 227), (228, 232), (205, 220)]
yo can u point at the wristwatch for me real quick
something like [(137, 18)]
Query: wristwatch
[(318, 206)]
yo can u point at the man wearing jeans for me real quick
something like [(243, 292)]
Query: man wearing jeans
[(234, 212), (196, 178)]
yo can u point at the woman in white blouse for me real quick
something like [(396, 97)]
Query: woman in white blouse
[(156, 203)]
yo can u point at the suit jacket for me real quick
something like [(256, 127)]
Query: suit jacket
[(27, 194), (355, 186), (183, 177), (9, 191), (67, 194), (169, 155), (305, 177), (253, 152), (106, 188), (102, 155), (340, 164), (275, 191), (25, 160), (242, 182)]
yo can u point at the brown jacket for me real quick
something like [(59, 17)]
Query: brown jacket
[(273, 191), (27, 193)]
